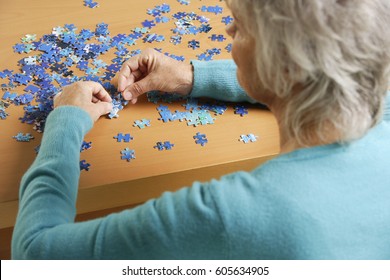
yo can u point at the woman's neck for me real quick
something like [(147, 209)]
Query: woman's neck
[(289, 144)]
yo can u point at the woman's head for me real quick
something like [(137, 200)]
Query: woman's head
[(326, 63)]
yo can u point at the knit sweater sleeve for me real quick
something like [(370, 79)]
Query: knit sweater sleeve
[(386, 115), (217, 79), (159, 229)]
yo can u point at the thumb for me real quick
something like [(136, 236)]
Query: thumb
[(102, 108), (138, 88)]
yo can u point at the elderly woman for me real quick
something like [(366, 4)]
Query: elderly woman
[(322, 68)]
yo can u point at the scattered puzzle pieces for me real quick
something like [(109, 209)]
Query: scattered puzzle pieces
[(91, 4), (84, 165), (85, 146), (184, 2), (149, 38), (123, 137), (227, 20), (3, 107), (228, 48), (3, 114), (37, 148), (240, 110), (176, 39), (212, 9), (142, 123), (148, 23), (53, 60), (193, 44), (20, 137), (128, 154), (200, 139), (219, 38), (248, 138), (164, 146)]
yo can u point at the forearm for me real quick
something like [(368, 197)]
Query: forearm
[(217, 79), (161, 228), (48, 190)]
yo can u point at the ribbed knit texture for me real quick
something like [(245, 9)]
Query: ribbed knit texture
[(386, 115), (326, 202), (218, 80)]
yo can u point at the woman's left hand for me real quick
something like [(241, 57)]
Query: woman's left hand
[(89, 96)]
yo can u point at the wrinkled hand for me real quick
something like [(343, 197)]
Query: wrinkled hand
[(89, 96), (152, 70)]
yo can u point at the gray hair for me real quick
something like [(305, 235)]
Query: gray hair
[(337, 51)]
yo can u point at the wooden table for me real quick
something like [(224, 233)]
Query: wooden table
[(112, 182)]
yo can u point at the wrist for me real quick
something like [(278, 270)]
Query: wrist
[(187, 79)]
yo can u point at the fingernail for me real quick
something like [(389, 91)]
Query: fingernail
[(128, 95)]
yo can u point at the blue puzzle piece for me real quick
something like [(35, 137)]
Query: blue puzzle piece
[(31, 89), (228, 48), (149, 38), (91, 4), (162, 19), (176, 39), (85, 146), (192, 104), (159, 146), (164, 146), (123, 137), (205, 57), (37, 148), (205, 28), (205, 117), (240, 110), (165, 8), (193, 119), (248, 138), (128, 154), (3, 114), (212, 9), (142, 123), (148, 23), (9, 96), (213, 51), (219, 38), (184, 2), (227, 20), (84, 165), (168, 145), (193, 44), (200, 139), (20, 137)]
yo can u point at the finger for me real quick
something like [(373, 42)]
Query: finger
[(126, 75), (133, 101), (131, 71), (135, 76), (123, 76), (94, 99), (98, 91), (55, 99), (104, 107), (138, 88)]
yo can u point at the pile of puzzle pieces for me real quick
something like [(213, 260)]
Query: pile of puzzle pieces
[(53, 59)]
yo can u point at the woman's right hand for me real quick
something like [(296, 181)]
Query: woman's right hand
[(152, 70)]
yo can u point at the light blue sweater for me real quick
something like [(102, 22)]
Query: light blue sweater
[(327, 202)]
